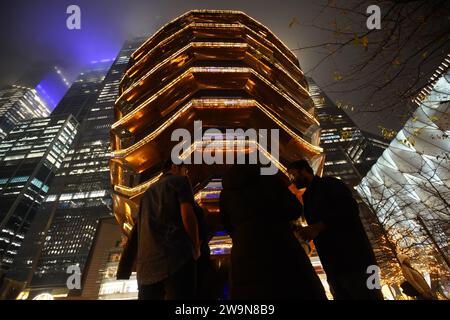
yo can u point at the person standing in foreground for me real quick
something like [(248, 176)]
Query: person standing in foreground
[(167, 237), (267, 261), (334, 225)]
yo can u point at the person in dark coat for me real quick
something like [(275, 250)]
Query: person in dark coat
[(333, 221), (267, 261), (206, 281)]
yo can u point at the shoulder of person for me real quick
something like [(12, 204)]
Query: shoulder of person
[(175, 180), (152, 188)]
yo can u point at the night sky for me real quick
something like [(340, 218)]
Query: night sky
[(34, 32)]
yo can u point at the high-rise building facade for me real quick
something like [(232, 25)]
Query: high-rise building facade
[(409, 186), (83, 93), (19, 103), (79, 98), (365, 151), (80, 193), (337, 131), (30, 156), (349, 151), (48, 79)]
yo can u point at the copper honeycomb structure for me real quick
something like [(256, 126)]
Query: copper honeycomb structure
[(220, 67)]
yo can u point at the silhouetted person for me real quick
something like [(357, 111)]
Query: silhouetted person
[(333, 221), (205, 271), (267, 261), (167, 239)]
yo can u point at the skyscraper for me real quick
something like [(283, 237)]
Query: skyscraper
[(29, 157), (337, 130), (19, 103), (80, 194), (365, 151), (80, 97), (83, 93)]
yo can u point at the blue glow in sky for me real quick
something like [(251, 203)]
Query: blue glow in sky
[(41, 34), (52, 88)]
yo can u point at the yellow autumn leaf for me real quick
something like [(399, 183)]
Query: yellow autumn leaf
[(356, 40), (337, 76), (365, 41), (387, 133)]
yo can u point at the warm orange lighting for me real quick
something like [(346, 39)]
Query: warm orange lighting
[(247, 79)]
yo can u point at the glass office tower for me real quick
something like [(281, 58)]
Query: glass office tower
[(365, 151), (337, 130), (19, 103), (30, 156), (81, 95)]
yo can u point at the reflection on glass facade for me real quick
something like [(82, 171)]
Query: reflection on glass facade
[(17, 104), (30, 156)]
